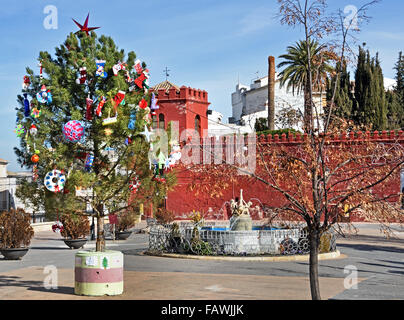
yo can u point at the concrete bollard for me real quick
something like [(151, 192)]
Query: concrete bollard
[(98, 273)]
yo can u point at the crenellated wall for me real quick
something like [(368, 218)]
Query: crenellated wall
[(183, 201)]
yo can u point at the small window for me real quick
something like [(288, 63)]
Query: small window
[(154, 122), (161, 121), (198, 124)]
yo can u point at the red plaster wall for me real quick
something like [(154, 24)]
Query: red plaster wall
[(183, 201)]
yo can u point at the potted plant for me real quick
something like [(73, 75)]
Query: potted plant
[(126, 221), (16, 233), (76, 228)]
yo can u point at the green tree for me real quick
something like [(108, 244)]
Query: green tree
[(296, 72), (370, 100), (119, 146), (399, 89), (343, 100)]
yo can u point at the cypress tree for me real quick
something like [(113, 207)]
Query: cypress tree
[(370, 100), (343, 101)]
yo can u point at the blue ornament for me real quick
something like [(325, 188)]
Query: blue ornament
[(132, 120)]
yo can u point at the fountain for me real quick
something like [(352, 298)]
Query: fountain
[(239, 236)]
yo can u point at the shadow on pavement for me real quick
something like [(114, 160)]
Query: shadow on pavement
[(371, 247), (368, 238), (14, 281)]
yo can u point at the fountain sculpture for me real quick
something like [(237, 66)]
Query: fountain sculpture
[(240, 219)]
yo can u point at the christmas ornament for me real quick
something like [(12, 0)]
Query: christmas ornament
[(134, 184), (119, 97), (108, 131), (26, 106), (83, 76), (84, 27), (55, 181), (36, 112), (110, 120), (100, 69), (40, 69), (25, 83), (19, 130), (128, 141), (139, 80), (143, 104), (57, 227), (89, 162), (33, 130), (73, 131), (35, 158), (98, 111), (89, 103), (44, 96), (146, 133), (119, 66), (35, 172), (153, 105), (138, 67), (132, 121)]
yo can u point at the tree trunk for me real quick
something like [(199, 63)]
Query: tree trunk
[(271, 93), (313, 264), (308, 108), (100, 243)]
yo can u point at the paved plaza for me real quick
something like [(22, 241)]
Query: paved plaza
[(379, 263)]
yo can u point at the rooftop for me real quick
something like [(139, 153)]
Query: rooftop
[(167, 85)]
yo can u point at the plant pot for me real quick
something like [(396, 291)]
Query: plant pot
[(122, 235), (14, 253), (75, 243)]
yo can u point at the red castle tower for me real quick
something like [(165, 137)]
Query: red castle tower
[(186, 105)]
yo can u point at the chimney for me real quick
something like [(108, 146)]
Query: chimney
[(271, 93)]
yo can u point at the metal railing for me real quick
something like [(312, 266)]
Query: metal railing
[(186, 239)]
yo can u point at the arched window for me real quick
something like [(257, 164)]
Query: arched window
[(161, 121), (198, 124), (154, 122)]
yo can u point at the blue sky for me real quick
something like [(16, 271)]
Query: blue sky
[(206, 44)]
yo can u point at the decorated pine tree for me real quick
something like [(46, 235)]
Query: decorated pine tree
[(84, 128)]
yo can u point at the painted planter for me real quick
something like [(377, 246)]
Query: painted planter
[(75, 243), (98, 273), (122, 235), (14, 253)]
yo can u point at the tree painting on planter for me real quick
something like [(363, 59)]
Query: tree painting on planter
[(89, 108)]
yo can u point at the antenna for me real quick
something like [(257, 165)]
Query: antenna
[(166, 72)]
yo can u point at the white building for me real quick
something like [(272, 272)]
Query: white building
[(251, 102), (9, 182), (216, 127)]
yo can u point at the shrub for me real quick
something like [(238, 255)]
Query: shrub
[(15, 229), (126, 220), (164, 216), (75, 226)]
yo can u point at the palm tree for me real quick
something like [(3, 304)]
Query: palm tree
[(295, 74)]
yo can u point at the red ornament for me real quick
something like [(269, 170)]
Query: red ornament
[(35, 158), (143, 104)]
